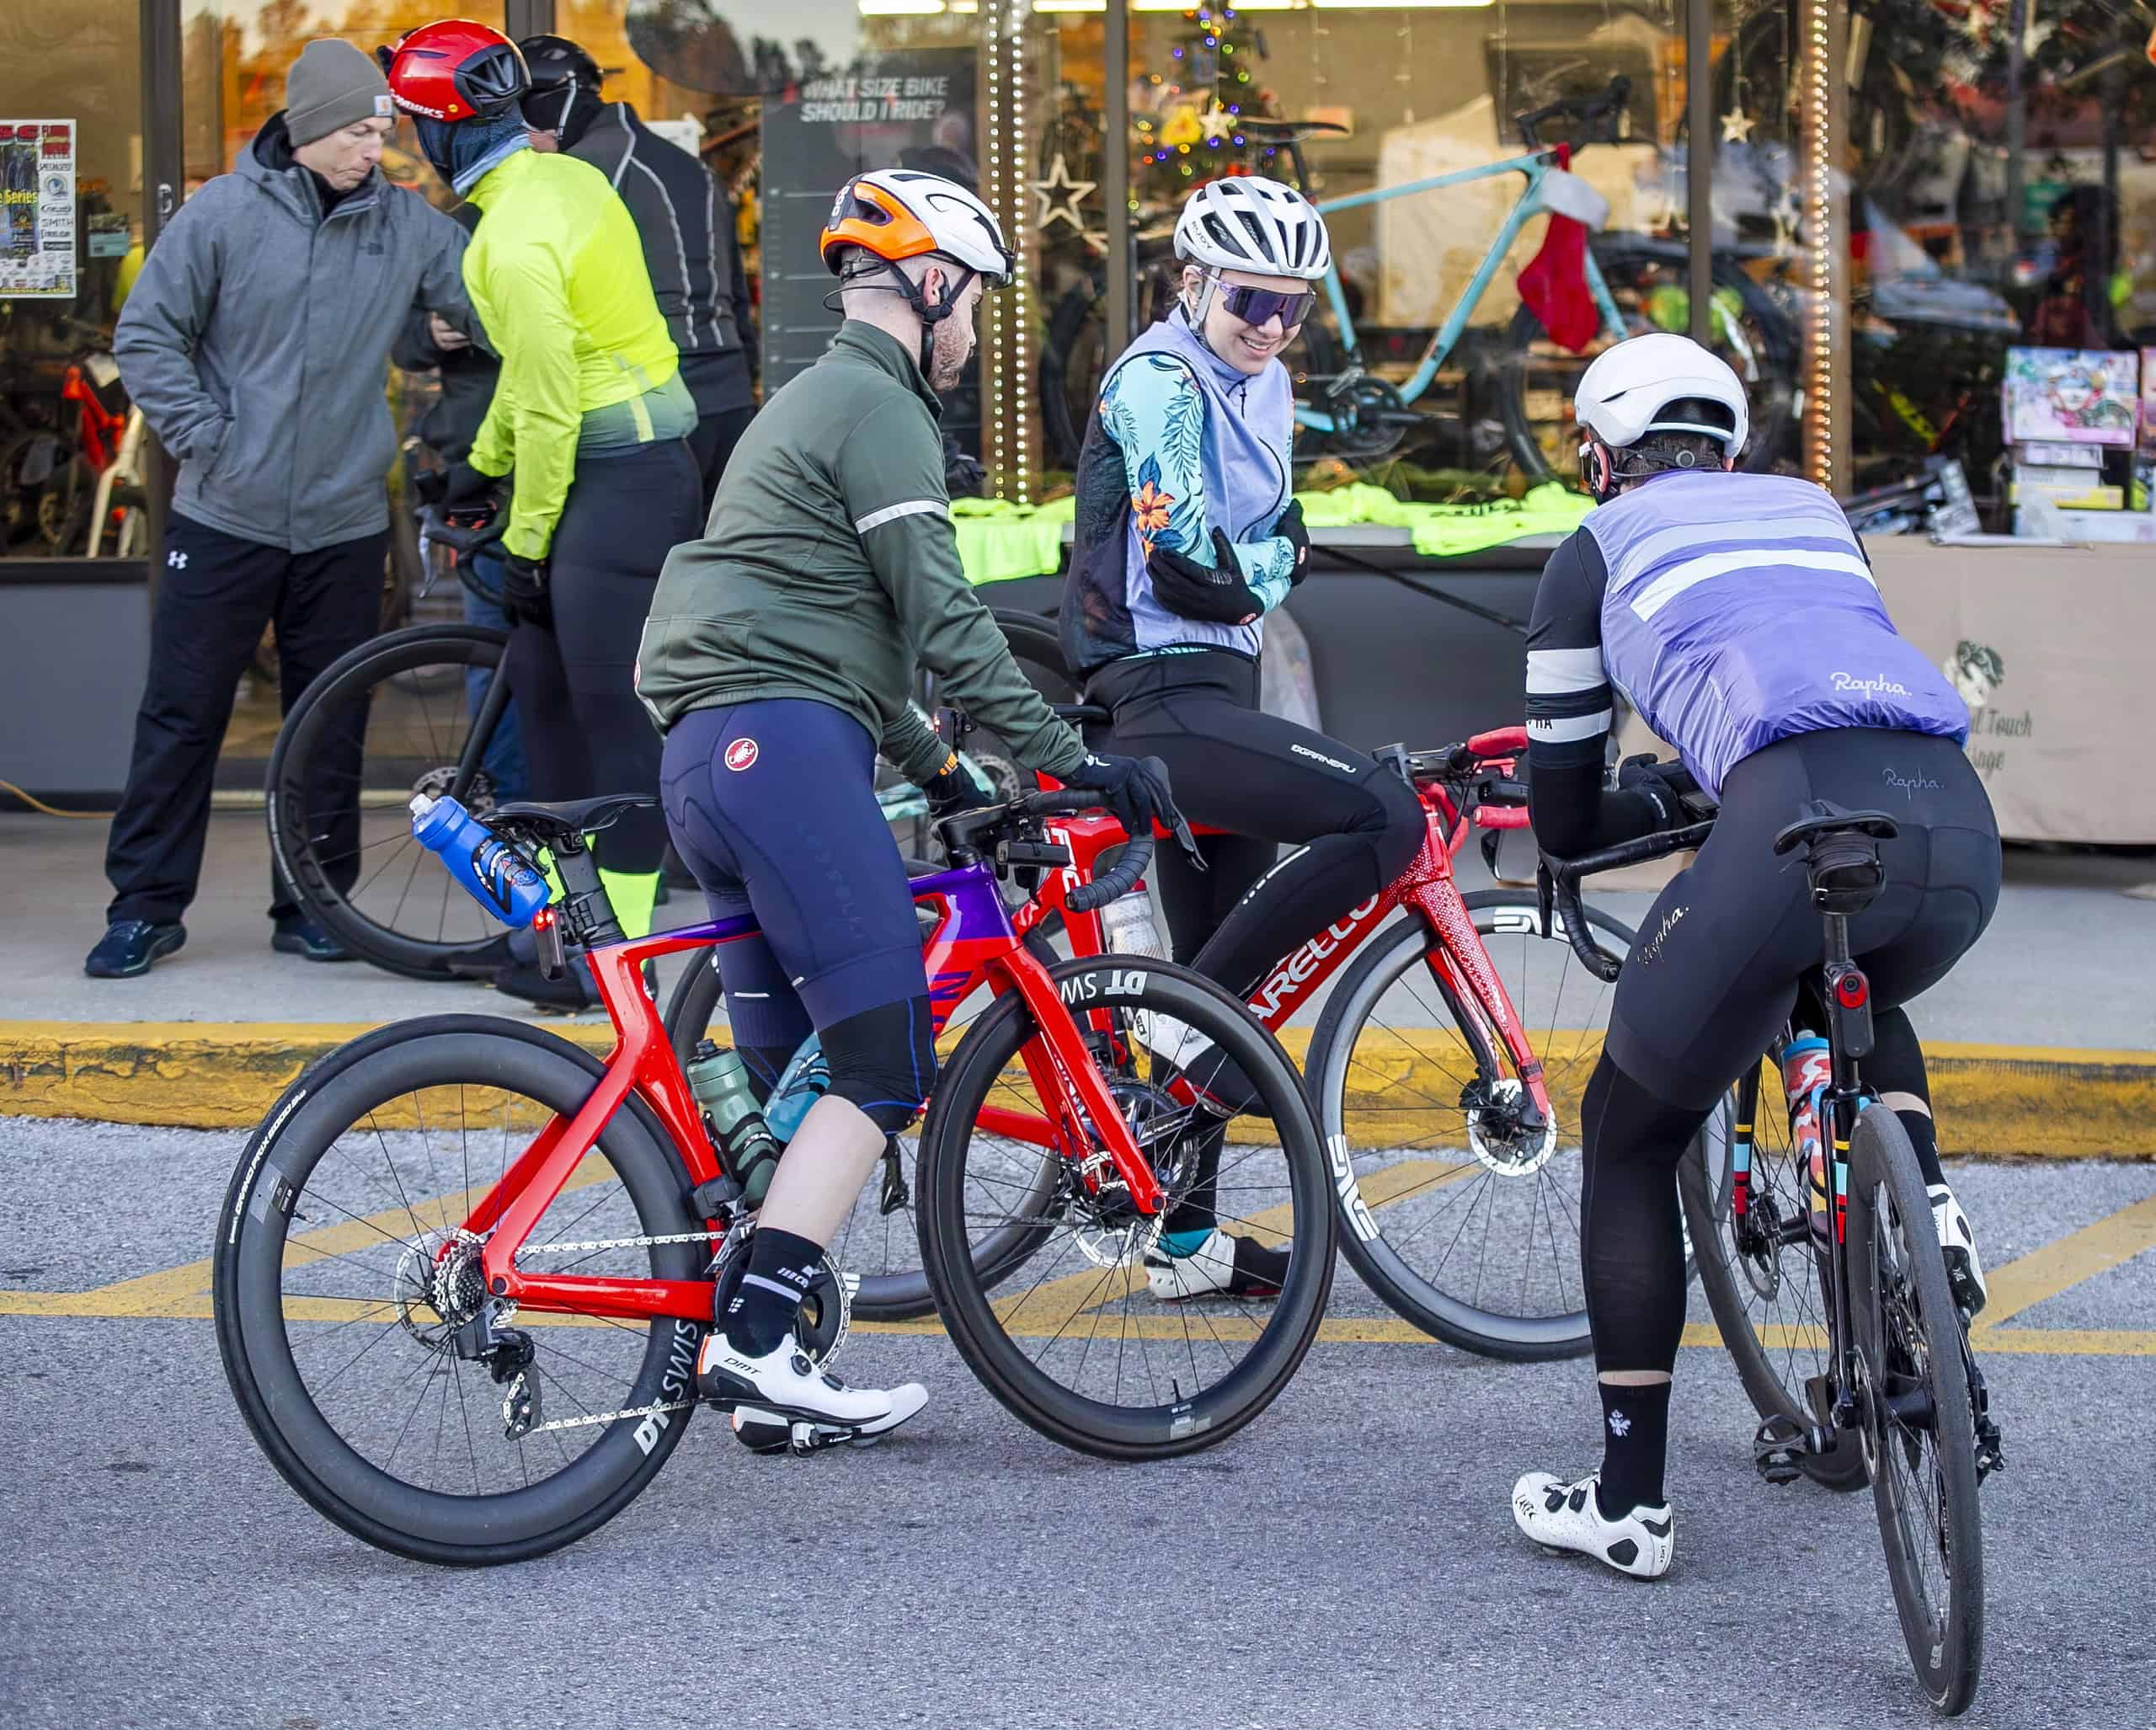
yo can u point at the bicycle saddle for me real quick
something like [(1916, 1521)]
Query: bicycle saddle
[(1820, 819), (570, 817), (1841, 854)]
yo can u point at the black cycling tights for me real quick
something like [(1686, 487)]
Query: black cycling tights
[(1267, 780), (1631, 1246), (584, 729)]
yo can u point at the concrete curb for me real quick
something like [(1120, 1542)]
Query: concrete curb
[(2000, 1102)]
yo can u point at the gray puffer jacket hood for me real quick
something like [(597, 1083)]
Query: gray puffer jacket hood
[(256, 340)]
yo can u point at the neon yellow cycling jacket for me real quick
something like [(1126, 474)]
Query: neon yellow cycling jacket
[(556, 272)]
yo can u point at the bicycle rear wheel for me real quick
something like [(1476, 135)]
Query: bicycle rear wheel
[(1918, 1431), (1766, 1280), (346, 1291), (393, 718), (1072, 1341), (1460, 1218)]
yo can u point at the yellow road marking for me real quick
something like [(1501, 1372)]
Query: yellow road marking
[(1342, 1330), (167, 1294), (2066, 1262)]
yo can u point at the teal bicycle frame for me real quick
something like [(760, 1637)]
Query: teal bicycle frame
[(1533, 165)]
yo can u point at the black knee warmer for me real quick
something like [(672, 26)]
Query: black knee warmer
[(884, 1060)]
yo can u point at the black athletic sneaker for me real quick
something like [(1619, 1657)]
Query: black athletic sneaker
[(130, 945)]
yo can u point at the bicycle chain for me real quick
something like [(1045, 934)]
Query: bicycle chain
[(589, 1418), (599, 1243)]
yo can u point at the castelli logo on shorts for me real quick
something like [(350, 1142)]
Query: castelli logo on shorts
[(741, 754)]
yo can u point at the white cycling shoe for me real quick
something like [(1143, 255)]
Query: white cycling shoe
[(782, 1400), (1222, 1266), (1562, 1516), (1957, 1242)]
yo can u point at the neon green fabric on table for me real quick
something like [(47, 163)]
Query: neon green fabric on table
[(1000, 541), (1450, 530)]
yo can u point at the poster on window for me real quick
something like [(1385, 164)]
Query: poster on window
[(900, 110), (2083, 396), (37, 201)]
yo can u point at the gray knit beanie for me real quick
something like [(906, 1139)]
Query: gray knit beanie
[(332, 85)]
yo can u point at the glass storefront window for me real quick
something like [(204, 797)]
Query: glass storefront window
[(1992, 208), (1423, 372), (73, 212)]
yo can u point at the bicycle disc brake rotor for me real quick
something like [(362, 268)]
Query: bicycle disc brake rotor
[(435, 784), (440, 1272), (1496, 1135), (1109, 1231)]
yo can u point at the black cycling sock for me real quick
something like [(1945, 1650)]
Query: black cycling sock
[(1634, 1442), (1923, 1137), (767, 1303)]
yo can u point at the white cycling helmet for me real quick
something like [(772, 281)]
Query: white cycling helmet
[(902, 213), (1247, 223), (1623, 393)]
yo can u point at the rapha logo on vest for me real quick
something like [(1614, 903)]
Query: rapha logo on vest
[(741, 754), (1880, 686), (1909, 786), (1319, 757)]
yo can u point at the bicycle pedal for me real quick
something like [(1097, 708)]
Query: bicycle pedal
[(764, 1432), (1779, 1448)]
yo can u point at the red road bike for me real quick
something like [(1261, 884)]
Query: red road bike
[(1445, 1069), (464, 1266)]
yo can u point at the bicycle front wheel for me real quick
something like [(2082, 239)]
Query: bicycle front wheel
[(1918, 1430), (393, 718), (1110, 1336), (355, 1327), (1456, 1208)]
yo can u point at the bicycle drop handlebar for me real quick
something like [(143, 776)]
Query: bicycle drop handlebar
[(443, 529), (1120, 878), (1589, 111), (1558, 881)]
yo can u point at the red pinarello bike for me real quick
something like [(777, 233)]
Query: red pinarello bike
[(464, 1266), (1455, 1032)]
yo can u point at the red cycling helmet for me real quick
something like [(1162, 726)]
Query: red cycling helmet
[(454, 70)]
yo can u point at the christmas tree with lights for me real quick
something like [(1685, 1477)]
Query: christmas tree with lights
[(1190, 130)]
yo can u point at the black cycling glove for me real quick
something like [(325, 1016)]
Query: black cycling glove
[(527, 594), (1190, 590), (463, 485), (1663, 784), (953, 788), (1290, 529), (1134, 789)]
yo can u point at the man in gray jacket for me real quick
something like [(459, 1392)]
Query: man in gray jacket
[(255, 342)]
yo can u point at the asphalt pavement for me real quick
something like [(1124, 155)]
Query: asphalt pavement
[(1348, 1560)]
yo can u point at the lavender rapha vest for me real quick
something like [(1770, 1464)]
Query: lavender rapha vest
[(1740, 611)]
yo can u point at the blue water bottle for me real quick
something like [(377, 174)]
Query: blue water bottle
[(495, 875)]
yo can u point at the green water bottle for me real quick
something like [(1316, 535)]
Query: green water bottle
[(747, 1151)]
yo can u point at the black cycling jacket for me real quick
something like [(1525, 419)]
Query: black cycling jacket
[(685, 222)]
